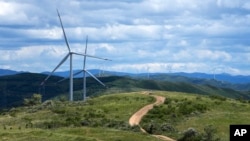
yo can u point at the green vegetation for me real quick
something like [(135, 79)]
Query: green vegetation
[(203, 112), (73, 134), (203, 116), (14, 88), (101, 118), (34, 100)]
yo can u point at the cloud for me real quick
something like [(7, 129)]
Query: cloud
[(186, 35)]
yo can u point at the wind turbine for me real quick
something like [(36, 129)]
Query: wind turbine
[(148, 70), (86, 72), (69, 55)]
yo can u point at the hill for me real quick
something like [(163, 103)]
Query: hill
[(237, 82), (197, 117), (101, 118), (106, 118), (14, 88), (223, 77), (4, 72)]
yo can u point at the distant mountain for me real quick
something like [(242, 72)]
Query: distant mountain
[(235, 79), (7, 72), (223, 78), (238, 82), (219, 77), (14, 88), (95, 72)]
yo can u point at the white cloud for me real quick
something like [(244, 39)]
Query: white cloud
[(16, 13), (207, 55), (229, 3), (51, 33), (186, 35)]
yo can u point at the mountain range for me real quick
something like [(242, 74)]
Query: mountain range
[(183, 76), (237, 82), (16, 86)]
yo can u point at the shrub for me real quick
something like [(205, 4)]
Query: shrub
[(58, 110), (218, 97), (34, 100), (135, 128), (187, 107), (198, 98), (209, 134), (167, 127), (167, 101), (190, 135)]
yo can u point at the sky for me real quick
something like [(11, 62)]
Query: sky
[(209, 36)]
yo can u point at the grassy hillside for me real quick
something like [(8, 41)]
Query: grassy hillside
[(73, 134), (102, 118), (205, 114), (105, 118)]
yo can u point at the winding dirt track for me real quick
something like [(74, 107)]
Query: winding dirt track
[(136, 117)]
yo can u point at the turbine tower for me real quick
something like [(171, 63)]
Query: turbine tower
[(85, 72), (70, 55)]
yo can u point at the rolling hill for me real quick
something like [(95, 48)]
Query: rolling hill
[(106, 117), (189, 77), (14, 88)]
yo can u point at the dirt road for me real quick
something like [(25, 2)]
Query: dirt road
[(136, 117)]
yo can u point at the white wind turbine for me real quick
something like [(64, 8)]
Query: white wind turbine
[(84, 70), (70, 54), (148, 71)]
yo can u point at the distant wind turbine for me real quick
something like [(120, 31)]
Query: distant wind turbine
[(70, 54), (148, 70), (169, 68)]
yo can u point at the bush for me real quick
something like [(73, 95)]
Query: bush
[(167, 128), (218, 97), (187, 107), (34, 100), (167, 101), (191, 134), (209, 134)]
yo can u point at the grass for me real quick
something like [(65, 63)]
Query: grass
[(220, 113), (73, 134), (106, 116)]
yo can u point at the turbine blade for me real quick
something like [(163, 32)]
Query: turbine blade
[(84, 61), (63, 60), (95, 78), (80, 54), (84, 74), (64, 34), (68, 77)]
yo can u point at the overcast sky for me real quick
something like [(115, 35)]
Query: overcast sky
[(138, 35)]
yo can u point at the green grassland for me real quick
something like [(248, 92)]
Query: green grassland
[(105, 118), (101, 118), (73, 134), (182, 111)]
